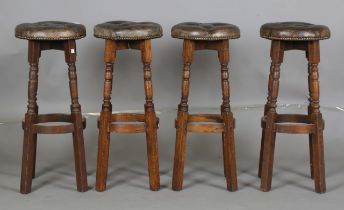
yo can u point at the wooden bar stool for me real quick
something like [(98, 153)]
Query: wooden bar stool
[(205, 36), (293, 36), (52, 35), (120, 35)]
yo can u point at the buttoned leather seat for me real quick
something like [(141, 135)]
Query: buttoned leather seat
[(50, 30), (205, 31), (127, 30), (294, 31)]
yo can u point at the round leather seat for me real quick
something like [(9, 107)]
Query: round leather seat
[(127, 30), (294, 31), (205, 31), (50, 30)]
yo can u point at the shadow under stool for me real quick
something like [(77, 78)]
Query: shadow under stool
[(205, 36), (121, 35), (286, 36), (51, 35)]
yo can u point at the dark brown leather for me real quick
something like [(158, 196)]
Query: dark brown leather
[(127, 30), (205, 31), (50, 30), (294, 31)]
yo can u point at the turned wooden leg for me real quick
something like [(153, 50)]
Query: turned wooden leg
[(150, 119), (227, 115), (105, 117), (182, 118), (229, 152), (261, 153), (318, 167), (224, 152), (266, 108), (34, 148), (277, 50), (78, 137), (311, 136), (29, 142)]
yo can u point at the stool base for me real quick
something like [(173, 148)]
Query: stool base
[(206, 123), (126, 123)]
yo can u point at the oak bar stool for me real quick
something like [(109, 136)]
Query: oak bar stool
[(120, 35), (52, 35), (293, 36), (205, 36)]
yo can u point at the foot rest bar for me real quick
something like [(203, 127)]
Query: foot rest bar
[(54, 129), (205, 123), (128, 123), (292, 123), (215, 118), (205, 128), (128, 128), (127, 117), (130, 117)]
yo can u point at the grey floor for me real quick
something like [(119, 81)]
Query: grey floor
[(204, 184)]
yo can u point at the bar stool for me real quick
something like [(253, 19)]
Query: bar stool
[(120, 35), (293, 36), (205, 36), (52, 35)]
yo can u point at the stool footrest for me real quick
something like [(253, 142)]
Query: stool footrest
[(205, 123), (128, 128), (292, 123), (54, 129), (205, 128), (128, 123), (128, 117), (215, 118)]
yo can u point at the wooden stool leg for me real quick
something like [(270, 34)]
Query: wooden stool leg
[(182, 118), (34, 140), (311, 136), (29, 142), (266, 108), (105, 117), (277, 51), (318, 161), (224, 152), (150, 119), (78, 137), (227, 115)]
